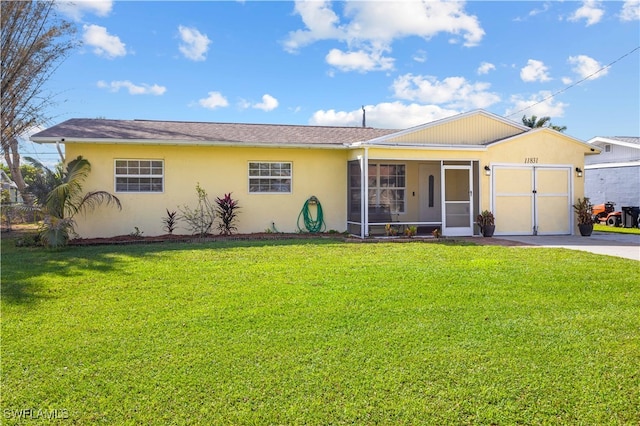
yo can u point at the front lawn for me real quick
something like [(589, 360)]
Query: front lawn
[(615, 229), (319, 332)]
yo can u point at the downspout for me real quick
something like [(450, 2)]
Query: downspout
[(59, 150)]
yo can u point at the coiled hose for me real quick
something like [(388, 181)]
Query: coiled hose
[(312, 225)]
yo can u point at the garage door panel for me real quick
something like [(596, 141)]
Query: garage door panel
[(552, 181), (515, 212), (555, 215), (553, 206), (512, 181)]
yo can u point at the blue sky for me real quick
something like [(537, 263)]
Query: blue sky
[(319, 62)]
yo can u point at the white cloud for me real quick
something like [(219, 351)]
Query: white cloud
[(213, 101), (321, 22), (387, 115), (542, 104), (358, 61), (534, 12), (269, 103), (370, 28), (534, 71), (590, 11), (567, 80), (194, 44), (134, 89), (454, 92), (630, 11), (420, 56), (485, 67), (104, 44), (586, 66), (76, 9)]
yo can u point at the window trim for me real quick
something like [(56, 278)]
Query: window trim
[(116, 175), (290, 177)]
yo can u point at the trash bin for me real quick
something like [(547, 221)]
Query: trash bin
[(630, 216)]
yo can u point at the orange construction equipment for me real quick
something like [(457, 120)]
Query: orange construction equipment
[(605, 213)]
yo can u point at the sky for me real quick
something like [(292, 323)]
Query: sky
[(320, 63)]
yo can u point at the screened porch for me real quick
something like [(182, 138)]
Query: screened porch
[(402, 194)]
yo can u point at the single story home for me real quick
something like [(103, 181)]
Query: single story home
[(441, 174), (614, 175)]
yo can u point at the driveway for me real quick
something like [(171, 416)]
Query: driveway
[(607, 243)]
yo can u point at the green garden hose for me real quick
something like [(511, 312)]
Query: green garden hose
[(312, 225)]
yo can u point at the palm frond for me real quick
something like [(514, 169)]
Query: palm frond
[(93, 199)]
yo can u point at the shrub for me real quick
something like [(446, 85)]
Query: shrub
[(227, 211), (170, 221), (199, 220)]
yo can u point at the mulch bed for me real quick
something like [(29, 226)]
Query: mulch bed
[(21, 230)]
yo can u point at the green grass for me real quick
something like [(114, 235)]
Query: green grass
[(616, 229), (320, 332)]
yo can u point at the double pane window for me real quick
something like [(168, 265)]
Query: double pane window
[(139, 175), (270, 177), (387, 183)]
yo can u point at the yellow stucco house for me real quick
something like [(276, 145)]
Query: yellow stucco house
[(440, 174)]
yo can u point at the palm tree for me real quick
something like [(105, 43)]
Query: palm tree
[(67, 199), (534, 122), (44, 180)]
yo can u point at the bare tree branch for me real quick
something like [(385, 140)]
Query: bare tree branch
[(34, 43)]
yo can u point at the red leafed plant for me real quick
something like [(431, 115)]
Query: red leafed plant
[(227, 212)]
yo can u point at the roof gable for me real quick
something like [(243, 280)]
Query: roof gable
[(588, 149), (477, 127), (626, 141)]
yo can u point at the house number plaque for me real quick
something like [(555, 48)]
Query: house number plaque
[(531, 160)]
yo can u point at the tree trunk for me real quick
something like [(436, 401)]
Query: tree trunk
[(12, 157)]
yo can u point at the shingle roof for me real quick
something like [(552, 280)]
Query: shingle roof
[(200, 132), (628, 139)]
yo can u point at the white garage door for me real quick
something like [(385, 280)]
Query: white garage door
[(530, 200)]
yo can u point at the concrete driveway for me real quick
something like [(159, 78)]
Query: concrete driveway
[(608, 243)]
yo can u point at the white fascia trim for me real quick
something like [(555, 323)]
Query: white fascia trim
[(161, 142), (599, 139), (424, 147), (612, 165)]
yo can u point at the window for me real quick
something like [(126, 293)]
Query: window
[(387, 186), (607, 148), (270, 177), (139, 175)]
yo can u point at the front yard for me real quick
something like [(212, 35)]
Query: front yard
[(319, 332)]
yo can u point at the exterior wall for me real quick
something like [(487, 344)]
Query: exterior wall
[(542, 148), (219, 170), (620, 185), (472, 130), (617, 154)]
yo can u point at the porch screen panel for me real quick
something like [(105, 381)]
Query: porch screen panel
[(354, 201), (387, 184)]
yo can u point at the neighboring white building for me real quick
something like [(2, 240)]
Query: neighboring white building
[(9, 185), (614, 175)]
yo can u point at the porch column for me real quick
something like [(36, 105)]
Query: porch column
[(364, 184)]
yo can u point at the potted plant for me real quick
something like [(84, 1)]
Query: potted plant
[(486, 222), (583, 209)]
